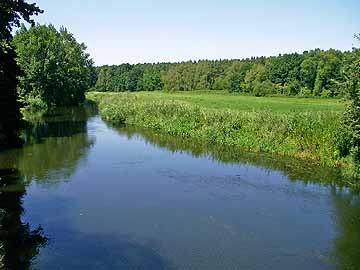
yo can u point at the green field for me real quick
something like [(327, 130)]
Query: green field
[(224, 100)]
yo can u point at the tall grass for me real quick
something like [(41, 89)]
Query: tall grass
[(311, 135)]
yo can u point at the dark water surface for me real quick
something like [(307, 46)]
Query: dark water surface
[(84, 195)]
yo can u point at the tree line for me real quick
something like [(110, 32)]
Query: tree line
[(312, 73)]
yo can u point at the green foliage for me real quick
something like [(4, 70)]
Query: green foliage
[(284, 68), (11, 14), (308, 70), (237, 75), (351, 119), (128, 77), (305, 92), (264, 88), (151, 80), (56, 68), (319, 71)]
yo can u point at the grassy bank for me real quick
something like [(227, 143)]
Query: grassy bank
[(311, 131)]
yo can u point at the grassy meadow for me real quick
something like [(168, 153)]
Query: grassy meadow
[(306, 128), (225, 100)]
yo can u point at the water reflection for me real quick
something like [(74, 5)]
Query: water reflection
[(347, 220), (19, 243), (54, 146), (293, 169), (103, 252)]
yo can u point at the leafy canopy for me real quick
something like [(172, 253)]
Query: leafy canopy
[(57, 69), (12, 11)]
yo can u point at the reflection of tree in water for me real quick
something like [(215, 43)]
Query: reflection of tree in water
[(347, 218), (54, 147), (294, 169), (19, 244)]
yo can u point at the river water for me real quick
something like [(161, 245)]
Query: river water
[(83, 194)]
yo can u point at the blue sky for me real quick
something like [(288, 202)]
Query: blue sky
[(137, 31)]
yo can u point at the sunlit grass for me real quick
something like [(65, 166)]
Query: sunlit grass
[(224, 100)]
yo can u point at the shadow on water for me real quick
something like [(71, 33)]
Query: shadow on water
[(19, 244)]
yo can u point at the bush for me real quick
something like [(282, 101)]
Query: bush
[(305, 92), (326, 93), (34, 104), (292, 88), (264, 88)]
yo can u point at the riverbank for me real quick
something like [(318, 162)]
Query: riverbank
[(309, 134)]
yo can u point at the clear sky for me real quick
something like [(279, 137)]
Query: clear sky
[(137, 31)]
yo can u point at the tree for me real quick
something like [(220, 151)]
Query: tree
[(204, 76), (255, 76), (134, 79), (237, 75), (352, 114), (329, 74), (11, 12), (308, 70), (57, 70), (180, 77), (151, 79), (104, 78), (284, 68)]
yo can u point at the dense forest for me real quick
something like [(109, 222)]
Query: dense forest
[(312, 73)]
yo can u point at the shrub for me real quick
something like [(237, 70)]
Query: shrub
[(305, 92)]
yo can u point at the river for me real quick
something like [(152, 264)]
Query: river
[(83, 194)]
